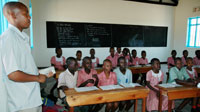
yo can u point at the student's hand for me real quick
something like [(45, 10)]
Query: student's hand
[(90, 81), (50, 74), (95, 76), (41, 78)]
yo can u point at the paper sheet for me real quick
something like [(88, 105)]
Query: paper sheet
[(110, 87), (128, 85), (84, 89), (169, 85), (47, 70)]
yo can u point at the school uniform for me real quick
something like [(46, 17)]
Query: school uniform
[(196, 61), (123, 78), (143, 61), (3, 91), (183, 61), (95, 62), (104, 81), (192, 74), (170, 60), (175, 73), (135, 61), (83, 76), (152, 99), (113, 60), (16, 56), (58, 62), (66, 78), (79, 63)]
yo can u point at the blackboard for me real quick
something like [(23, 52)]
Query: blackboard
[(72, 34)]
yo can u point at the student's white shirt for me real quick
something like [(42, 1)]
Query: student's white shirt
[(16, 56), (3, 91), (123, 78), (66, 78)]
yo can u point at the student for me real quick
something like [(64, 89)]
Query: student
[(21, 74), (196, 59), (124, 75), (185, 54), (155, 77), (118, 53), (87, 76), (143, 61), (170, 60), (95, 60), (58, 61), (108, 78), (179, 75), (113, 58), (68, 78), (135, 62), (78, 58), (126, 53)]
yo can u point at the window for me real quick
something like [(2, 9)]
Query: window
[(193, 33)]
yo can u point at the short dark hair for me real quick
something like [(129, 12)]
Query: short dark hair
[(184, 51), (173, 51), (69, 60), (143, 52), (121, 58), (57, 48), (177, 59), (154, 60), (86, 58), (107, 60), (78, 52)]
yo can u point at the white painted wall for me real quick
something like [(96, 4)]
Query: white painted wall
[(182, 13), (98, 11)]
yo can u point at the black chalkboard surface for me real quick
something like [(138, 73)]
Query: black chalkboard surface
[(71, 34)]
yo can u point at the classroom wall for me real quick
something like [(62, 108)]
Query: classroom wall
[(98, 11), (182, 13)]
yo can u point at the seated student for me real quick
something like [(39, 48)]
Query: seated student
[(58, 61), (170, 60), (126, 53), (179, 75), (118, 53), (183, 59), (155, 77), (194, 77), (68, 78), (134, 62), (87, 76), (124, 75), (196, 59), (143, 61), (113, 58), (78, 58), (108, 78), (95, 60)]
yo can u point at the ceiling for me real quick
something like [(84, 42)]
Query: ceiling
[(161, 2)]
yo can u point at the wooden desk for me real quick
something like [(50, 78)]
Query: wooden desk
[(134, 69), (177, 93), (96, 97)]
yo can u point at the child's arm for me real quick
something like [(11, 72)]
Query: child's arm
[(86, 82), (63, 88), (185, 82), (152, 88), (97, 79)]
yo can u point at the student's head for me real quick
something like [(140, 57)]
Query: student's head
[(185, 53), (143, 54), (87, 63), (78, 55), (112, 51), (107, 65), (17, 14), (197, 52), (119, 50), (189, 62), (155, 63), (125, 52), (92, 52), (178, 63), (58, 51), (134, 53), (122, 62), (72, 64), (173, 53)]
